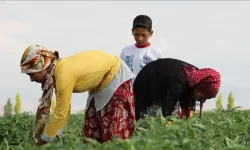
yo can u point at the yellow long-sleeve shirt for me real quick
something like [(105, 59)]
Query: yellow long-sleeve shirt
[(85, 71)]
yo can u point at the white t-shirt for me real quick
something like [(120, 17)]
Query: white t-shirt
[(136, 58)]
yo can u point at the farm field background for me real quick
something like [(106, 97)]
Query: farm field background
[(227, 130)]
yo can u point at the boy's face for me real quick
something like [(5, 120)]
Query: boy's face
[(141, 35)]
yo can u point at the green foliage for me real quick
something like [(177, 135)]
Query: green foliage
[(220, 129), (16, 130), (18, 105), (219, 102), (231, 103), (8, 108)]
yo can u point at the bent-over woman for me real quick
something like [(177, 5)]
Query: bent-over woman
[(110, 105), (164, 82)]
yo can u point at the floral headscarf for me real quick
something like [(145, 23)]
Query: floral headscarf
[(36, 58)]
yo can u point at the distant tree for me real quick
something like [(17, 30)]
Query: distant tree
[(1, 110), (81, 111), (5, 111), (219, 102), (18, 105), (231, 101), (8, 109)]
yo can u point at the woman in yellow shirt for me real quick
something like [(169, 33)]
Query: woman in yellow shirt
[(110, 104)]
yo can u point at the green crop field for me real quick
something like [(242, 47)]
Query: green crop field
[(220, 130)]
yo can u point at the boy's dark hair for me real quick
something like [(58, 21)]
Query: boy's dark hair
[(142, 21)]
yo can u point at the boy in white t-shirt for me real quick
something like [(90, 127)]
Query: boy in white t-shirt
[(142, 52), (137, 55)]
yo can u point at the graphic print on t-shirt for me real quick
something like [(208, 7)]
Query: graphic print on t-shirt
[(145, 60), (129, 61)]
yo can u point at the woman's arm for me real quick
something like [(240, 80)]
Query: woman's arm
[(58, 121), (173, 95)]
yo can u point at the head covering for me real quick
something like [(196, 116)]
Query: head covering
[(36, 58), (205, 80)]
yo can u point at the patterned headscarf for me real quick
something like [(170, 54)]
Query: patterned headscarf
[(205, 80), (35, 59)]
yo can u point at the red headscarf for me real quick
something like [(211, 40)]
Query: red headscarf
[(205, 80)]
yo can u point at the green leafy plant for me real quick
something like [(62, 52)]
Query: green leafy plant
[(219, 129)]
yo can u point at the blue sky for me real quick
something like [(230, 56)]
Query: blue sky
[(206, 34)]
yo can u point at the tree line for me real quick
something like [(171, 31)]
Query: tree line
[(10, 109), (230, 101), (17, 108)]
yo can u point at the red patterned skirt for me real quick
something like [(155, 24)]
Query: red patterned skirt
[(117, 118)]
